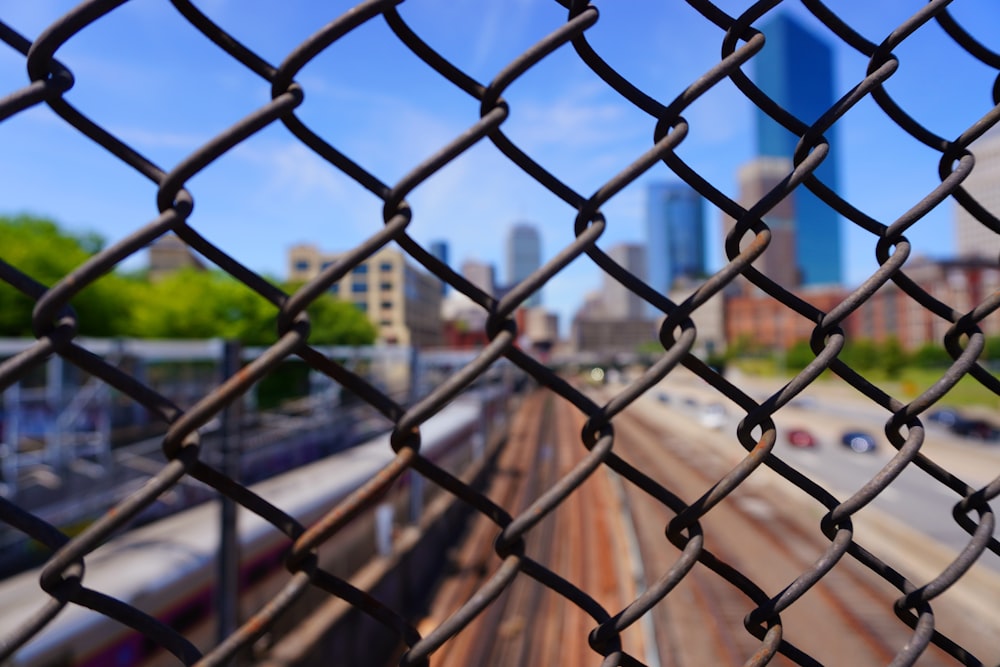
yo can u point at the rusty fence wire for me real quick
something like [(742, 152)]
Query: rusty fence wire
[(64, 577)]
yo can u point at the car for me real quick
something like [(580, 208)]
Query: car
[(858, 441), (799, 437), (713, 416), (979, 429), (944, 417)]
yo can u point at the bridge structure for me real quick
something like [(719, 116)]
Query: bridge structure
[(72, 447)]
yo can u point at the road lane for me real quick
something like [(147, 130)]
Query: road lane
[(905, 527), (827, 411)]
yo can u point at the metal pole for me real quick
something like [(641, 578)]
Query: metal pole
[(227, 591)]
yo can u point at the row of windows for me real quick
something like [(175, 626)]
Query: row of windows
[(385, 305), (360, 288), (302, 265)]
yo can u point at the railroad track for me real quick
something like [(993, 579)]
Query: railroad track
[(528, 624), (845, 619)]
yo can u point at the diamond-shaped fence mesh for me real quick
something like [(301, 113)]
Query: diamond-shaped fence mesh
[(66, 577)]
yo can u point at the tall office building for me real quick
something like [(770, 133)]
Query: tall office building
[(439, 251), (973, 238), (757, 178), (481, 275), (524, 257), (795, 69), (675, 231), (620, 302)]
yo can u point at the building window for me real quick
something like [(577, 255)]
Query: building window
[(302, 265), (386, 305), (385, 266), (360, 269), (327, 265), (362, 306), (386, 287), (359, 288), (335, 288), (385, 323)]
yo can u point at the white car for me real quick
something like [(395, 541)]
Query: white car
[(712, 415)]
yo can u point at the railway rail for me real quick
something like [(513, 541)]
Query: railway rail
[(846, 618), (530, 624)]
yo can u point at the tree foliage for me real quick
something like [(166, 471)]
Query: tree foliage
[(931, 355), (893, 358), (186, 304), (798, 356), (39, 249)]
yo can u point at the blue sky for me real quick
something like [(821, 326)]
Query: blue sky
[(147, 76)]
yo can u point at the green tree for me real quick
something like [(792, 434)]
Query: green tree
[(195, 304), (38, 248), (931, 355), (991, 349), (798, 356), (211, 304), (185, 304), (893, 358), (336, 322), (861, 355)]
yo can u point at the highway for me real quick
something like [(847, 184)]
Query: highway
[(909, 525), (828, 411)]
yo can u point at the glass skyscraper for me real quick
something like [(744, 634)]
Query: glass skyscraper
[(439, 251), (524, 257), (675, 230), (795, 69)]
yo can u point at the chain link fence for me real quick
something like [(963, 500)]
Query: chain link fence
[(55, 324)]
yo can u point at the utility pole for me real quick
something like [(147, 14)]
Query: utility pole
[(227, 590)]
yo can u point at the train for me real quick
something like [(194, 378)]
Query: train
[(168, 568)]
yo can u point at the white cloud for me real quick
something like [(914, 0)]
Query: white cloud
[(294, 169), (583, 117), (145, 139)]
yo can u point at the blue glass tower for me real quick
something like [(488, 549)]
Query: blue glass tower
[(795, 69), (675, 230), (439, 251)]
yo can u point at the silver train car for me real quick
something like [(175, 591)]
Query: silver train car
[(168, 568)]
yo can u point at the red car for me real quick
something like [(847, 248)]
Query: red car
[(798, 437)]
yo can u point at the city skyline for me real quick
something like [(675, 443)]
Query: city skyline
[(390, 112)]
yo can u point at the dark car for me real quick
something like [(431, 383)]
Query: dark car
[(799, 437), (976, 428), (858, 441)]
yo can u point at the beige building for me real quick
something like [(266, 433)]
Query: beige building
[(168, 254), (972, 237), (541, 327), (757, 178), (709, 318), (612, 336), (619, 301), (402, 301)]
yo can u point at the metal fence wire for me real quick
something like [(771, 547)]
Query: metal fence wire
[(64, 577)]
